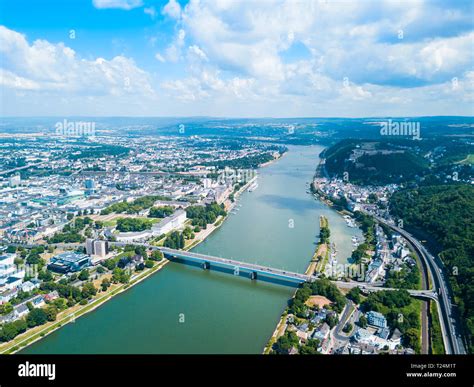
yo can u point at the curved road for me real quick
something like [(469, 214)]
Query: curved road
[(452, 341)]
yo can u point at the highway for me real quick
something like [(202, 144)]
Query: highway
[(453, 342)]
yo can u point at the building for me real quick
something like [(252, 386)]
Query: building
[(69, 262), (7, 295), (376, 319), (13, 282), (10, 276), (97, 247), (7, 267), (51, 296), (170, 223), (129, 237), (101, 248), (302, 336), (14, 180), (20, 311), (365, 337), (89, 184), (30, 285), (89, 246), (322, 332)]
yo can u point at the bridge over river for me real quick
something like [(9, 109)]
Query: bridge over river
[(255, 271)]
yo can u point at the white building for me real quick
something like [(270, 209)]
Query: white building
[(170, 223), (97, 248), (14, 180), (7, 267), (100, 248), (128, 237), (10, 276)]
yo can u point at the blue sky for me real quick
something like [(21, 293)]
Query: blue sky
[(279, 58)]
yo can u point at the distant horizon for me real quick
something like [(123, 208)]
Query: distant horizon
[(243, 59)]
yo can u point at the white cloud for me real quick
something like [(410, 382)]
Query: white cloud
[(172, 9), (280, 58), (150, 11), (174, 50), (43, 66), (160, 58), (120, 4)]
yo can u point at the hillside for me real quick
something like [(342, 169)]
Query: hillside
[(447, 214), (374, 162)]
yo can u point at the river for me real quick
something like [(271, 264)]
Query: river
[(184, 309)]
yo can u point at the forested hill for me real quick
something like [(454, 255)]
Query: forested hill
[(401, 161), (446, 212)]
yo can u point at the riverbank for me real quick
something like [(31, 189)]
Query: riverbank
[(257, 233), (71, 314), (317, 263), (203, 234), (280, 155), (321, 254)]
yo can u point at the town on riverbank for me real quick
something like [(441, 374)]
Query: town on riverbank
[(345, 308), (65, 268)]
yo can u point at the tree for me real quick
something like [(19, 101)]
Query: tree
[(45, 275), (354, 295), (84, 275), (36, 317), (133, 224), (51, 312), (110, 263), (324, 234), (286, 342), (411, 339), (149, 263), (8, 332), (362, 321), (174, 241), (156, 255), (105, 284), (11, 249), (310, 348), (331, 320), (160, 212), (141, 251), (88, 290), (347, 328), (6, 308), (119, 275)]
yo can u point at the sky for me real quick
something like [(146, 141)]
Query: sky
[(229, 58)]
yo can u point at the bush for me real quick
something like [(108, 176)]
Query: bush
[(149, 263)]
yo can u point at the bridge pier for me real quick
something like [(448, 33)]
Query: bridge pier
[(253, 275), (206, 265)]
